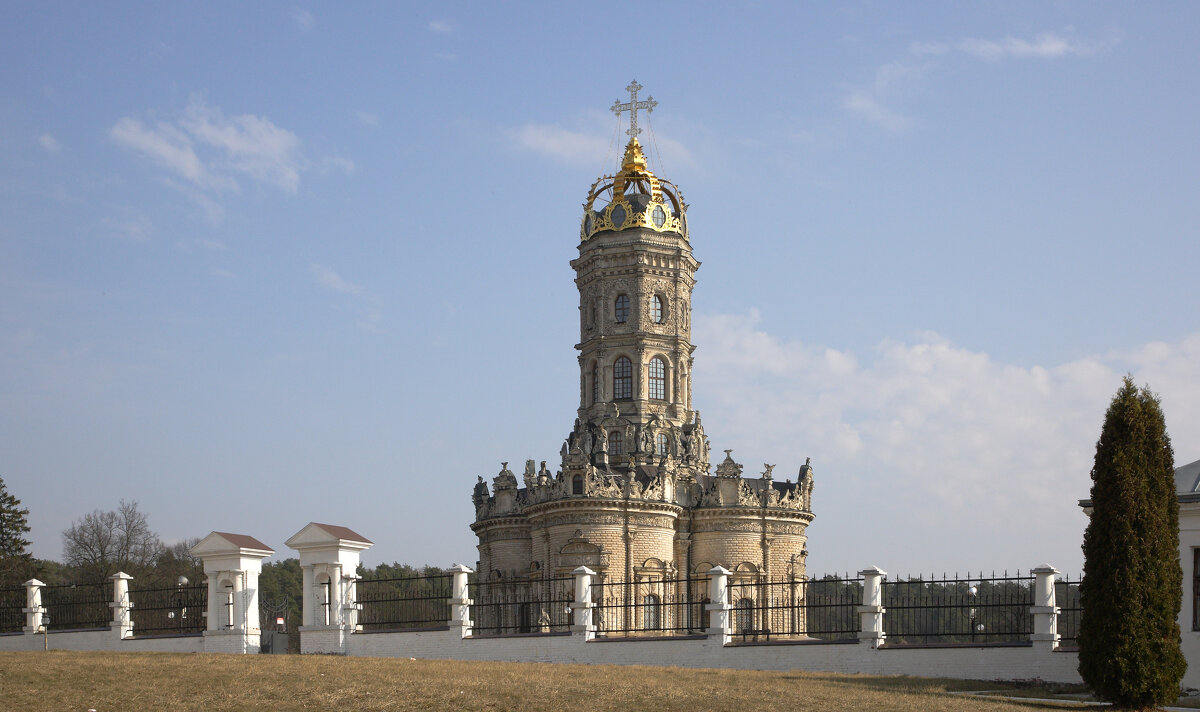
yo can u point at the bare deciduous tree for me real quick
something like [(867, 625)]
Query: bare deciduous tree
[(104, 542)]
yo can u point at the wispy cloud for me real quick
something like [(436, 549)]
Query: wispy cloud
[(986, 444), (563, 144), (881, 101), (329, 279), (367, 118), (1048, 45), (132, 227), (247, 144), (303, 19), (220, 273), (206, 152), (50, 143), (440, 26), (891, 84)]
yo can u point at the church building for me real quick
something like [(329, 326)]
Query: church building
[(635, 496)]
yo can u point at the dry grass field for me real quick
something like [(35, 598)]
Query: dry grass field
[(103, 682)]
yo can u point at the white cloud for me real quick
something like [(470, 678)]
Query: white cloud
[(440, 26), (169, 147), (133, 227), (1044, 46), (248, 144), (1047, 45), (303, 19), (211, 152), (367, 118), (330, 279), (563, 144), (997, 450), (50, 143), (890, 84)]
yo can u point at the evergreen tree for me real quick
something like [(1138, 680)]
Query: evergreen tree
[(15, 562), (1133, 586)]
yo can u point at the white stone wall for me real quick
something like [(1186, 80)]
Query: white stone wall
[(984, 663), (101, 640)]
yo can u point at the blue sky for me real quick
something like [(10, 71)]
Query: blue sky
[(267, 264)]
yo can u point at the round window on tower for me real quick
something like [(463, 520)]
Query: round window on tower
[(618, 216), (659, 216)]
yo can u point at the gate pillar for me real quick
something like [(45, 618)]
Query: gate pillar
[(232, 563), (329, 556)]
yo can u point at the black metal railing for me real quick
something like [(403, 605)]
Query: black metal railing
[(971, 610), (824, 608), (515, 607), (1066, 597), (77, 606), (404, 602), (175, 610), (651, 607), (12, 609)]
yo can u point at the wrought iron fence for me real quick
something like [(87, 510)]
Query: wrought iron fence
[(651, 607), (514, 607), (967, 610), (77, 606), (404, 602), (824, 608), (175, 610), (12, 609), (1066, 597)]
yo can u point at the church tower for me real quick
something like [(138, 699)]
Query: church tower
[(635, 273), (636, 497)]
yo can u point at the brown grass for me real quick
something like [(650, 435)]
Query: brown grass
[(181, 682)]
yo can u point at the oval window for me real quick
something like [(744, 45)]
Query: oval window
[(618, 216), (659, 216)]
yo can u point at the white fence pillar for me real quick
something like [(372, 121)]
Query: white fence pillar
[(718, 608), (1045, 608), (34, 611), (582, 606), (460, 601), (122, 621), (232, 563), (871, 611)]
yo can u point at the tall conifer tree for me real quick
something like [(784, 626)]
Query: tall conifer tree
[(1132, 586), (15, 561)]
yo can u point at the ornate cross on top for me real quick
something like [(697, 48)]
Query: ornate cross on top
[(632, 107)]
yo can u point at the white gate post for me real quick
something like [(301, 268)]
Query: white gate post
[(33, 610), (232, 563), (1044, 608), (719, 623), (122, 621), (460, 602), (871, 611), (582, 606)]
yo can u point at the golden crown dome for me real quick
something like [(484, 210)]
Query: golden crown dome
[(633, 198)]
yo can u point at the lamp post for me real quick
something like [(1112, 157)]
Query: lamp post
[(973, 590)]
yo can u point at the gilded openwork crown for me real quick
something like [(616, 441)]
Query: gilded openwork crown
[(633, 198)]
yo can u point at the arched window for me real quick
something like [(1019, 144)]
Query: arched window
[(660, 442), (658, 310), (622, 378), (658, 379), (616, 443), (595, 384), (621, 308), (651, 612), (577, 484)]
